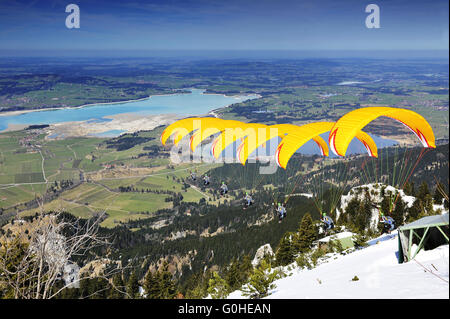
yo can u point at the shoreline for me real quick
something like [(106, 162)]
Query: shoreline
[(213, 112), (19, 112), (126, 122)]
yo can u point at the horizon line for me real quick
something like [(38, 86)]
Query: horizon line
[(224, 53)]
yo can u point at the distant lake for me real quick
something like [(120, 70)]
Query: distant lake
[(309, 148), (194, 103), (110, 133), (349, 82), (355, 147)]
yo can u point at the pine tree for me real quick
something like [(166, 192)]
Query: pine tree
[(218, 287), (350, 212), (166, 283), (133, 286), (306, 234), (399, 212), (84, 288), (115, 292), (409, 189), (285, 252), (385, 205), (428, 204), (415, 210), (245, 268), (196, 292), (197, 285), (362, 221), (261, 281), (17, 252), (423, 191), (438, 197), (97, 288), (413, 189), (234, 276), (151, 285)]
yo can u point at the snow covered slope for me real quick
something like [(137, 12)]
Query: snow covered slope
[(380, 275)]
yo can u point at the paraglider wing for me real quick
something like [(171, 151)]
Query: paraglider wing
[(212, 127), (173, 128), (183, 127), (263, 134), (294, 140), (200, 135), (348, 125), (232, 134), (323, 147), (368, 142)]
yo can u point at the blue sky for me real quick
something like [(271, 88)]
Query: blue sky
[(32, 26)]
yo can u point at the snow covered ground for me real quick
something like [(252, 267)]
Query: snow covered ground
[(380, 275)]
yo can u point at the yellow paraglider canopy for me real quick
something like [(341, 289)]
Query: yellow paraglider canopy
[(232, 134), (296, 139), (348, 126), (254, 135), (264, 134), (215, 127), (183, 127)]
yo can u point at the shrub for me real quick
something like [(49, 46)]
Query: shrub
[(359, 241), (217, 287), (261, 281), (303, 262), (316, 255)]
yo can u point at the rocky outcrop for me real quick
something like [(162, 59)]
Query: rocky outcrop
[(260, 253)]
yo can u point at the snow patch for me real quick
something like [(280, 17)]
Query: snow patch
[(380, 275)]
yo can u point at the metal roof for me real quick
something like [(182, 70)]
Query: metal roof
[(428, 221)]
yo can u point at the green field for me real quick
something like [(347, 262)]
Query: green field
[(25, 175)]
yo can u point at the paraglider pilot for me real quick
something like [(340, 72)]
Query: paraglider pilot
[(328, 222), (389, 223), (281, 210), (248, 200), (223, 189)]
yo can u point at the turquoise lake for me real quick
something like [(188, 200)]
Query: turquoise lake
[(194, 103)]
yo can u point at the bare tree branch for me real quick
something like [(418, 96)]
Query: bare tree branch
[(33, 255)]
